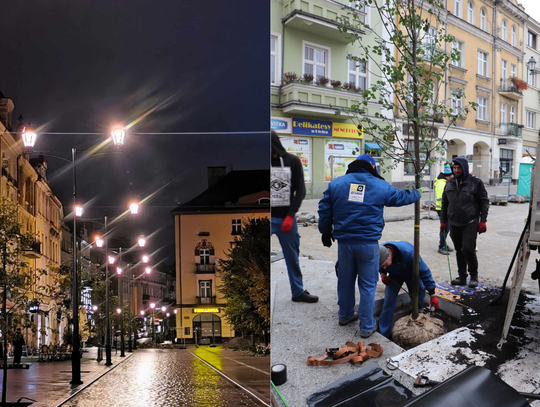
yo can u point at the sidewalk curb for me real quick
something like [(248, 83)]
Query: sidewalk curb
[(92, 381)]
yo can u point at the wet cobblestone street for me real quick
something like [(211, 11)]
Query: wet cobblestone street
[(169, 377)]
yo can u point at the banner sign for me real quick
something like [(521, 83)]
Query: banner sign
[(309, 127), (347, 130), (281, 124)]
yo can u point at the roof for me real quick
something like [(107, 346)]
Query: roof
[(226, 194)]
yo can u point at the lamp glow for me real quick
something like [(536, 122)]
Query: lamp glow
[(78, 210), (163, 309), (94, 308), (152, 305), (134, 208), (176, 311), (142, 241), (118, 270), (99, 241), (145, 259), (112, 260), (148, 270), (118, 136), (118, 311), (142, 312), (29, 137)]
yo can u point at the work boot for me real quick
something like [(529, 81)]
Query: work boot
[(306, 297), (473, 282), (443, 251), (459, 281), (347, 321)]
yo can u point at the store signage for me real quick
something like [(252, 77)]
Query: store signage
[(347, 130), (502, 141), (281, 124), (205, 310), (433, 132), (309, 127)]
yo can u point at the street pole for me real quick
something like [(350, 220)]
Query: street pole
[(130, 281), (4, 327), (121, 288), (108, 356), (75, 356)]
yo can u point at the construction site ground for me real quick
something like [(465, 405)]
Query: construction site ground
[(300, 330)]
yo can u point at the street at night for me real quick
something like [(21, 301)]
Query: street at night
[(189, 377)]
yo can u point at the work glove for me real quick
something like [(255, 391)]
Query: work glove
[(482, 228), (421, 190), (385, 279), (443, 226), (327, 239), (434, 302), (287, 224)]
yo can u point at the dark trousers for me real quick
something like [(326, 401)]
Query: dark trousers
[(17, 353), (442, 235), (464, 238)]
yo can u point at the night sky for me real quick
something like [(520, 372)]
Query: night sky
[(155, 66)]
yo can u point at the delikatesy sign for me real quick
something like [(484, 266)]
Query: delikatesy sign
[(309, 127), (281, 124)]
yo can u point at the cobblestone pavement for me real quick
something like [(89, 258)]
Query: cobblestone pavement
[(495, 247), (48, 382), (169, 377)]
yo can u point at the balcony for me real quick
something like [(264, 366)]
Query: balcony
[(509, 89), (206, 300), (300, 98), (431, 56), (33, 250), (511, 129), (205, 268), (321, 19)]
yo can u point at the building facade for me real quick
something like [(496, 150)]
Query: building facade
[(531, 98), (205, 229), (305, 39)]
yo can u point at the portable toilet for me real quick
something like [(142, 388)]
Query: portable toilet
[(525, 174)]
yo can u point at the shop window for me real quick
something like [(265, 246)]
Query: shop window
[(507, 158)]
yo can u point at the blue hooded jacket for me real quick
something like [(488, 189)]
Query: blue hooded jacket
[(402, 265), (352, 206)]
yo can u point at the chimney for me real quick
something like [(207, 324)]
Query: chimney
[(6, 110), (215, 174)]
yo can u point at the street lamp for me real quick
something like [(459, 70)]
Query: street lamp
[(118, 136), (134, 208), (99, 241), (153, 306), (142, 241), (29, 137), (121, 289), (29, 142), (145, 259), (148, 270), (112, 260)]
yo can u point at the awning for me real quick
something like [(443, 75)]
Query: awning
[(372, 146)]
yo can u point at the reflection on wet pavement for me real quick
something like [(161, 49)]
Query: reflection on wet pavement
[(160, 378)]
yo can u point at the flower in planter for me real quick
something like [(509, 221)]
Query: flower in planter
[(350, 86), (323, 81), (307, 78), (335, 84), (518, 83), (289, 77)]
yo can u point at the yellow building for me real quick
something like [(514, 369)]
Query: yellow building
[(489, 36), (39, 213), (205, 228)]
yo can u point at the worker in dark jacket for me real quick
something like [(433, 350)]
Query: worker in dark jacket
[(18, 343), (396, 267), (287, 192), (352, 212), (464, 210)]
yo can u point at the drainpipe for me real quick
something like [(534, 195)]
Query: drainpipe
[(282, 60), (494, 32)]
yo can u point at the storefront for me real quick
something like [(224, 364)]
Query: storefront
[(206, 324), (325, 148)]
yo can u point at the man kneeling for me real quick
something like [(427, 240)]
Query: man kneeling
[(396, 267)]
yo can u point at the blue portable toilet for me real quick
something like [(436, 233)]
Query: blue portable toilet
[(525, 176)]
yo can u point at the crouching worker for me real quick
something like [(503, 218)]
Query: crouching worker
[(396, 267)]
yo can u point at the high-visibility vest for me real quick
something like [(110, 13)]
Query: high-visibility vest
[(440, 184)]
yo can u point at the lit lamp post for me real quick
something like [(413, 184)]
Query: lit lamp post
[(153, 306), (29, 138), (121, 289), (134, 208)]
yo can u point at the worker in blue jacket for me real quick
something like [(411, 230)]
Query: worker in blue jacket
[(396, 263), (351, 211)]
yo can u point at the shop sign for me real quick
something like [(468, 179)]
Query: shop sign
[(300, 147), (205, 310), (502, 141), (433, 132), (281, 124), (309, 127), (347, 130)]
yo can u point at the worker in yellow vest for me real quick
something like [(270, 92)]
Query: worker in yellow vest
[(440, 184)]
